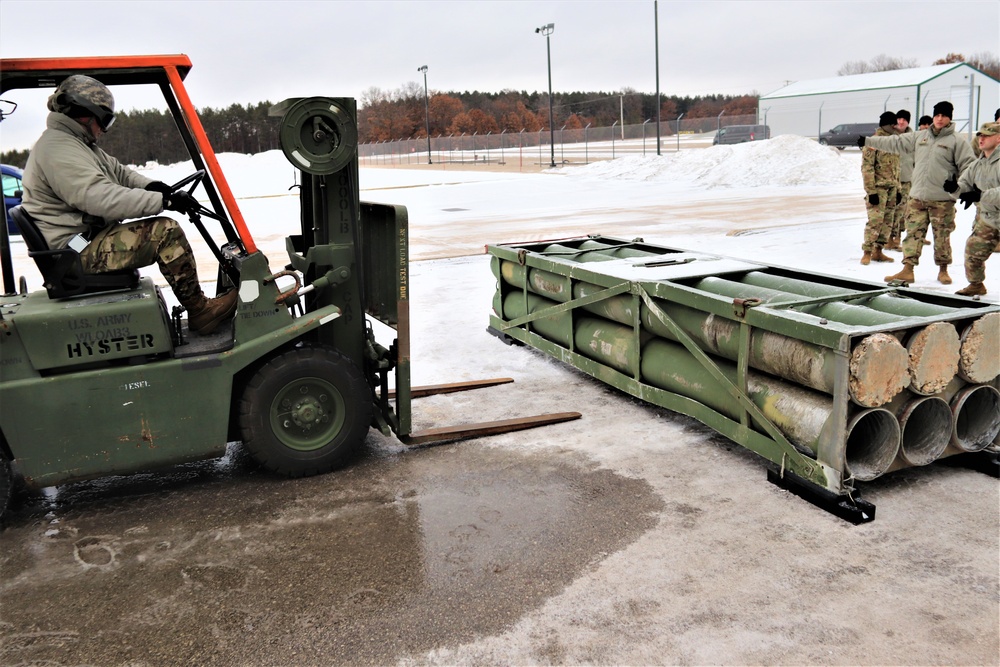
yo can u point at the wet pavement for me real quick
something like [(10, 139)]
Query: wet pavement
[(219, 562)]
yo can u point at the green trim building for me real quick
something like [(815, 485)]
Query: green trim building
[(809, 108)]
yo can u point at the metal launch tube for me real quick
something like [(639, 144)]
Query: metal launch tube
[(926, 426), (878, 363), (802, 415), (976, 409), (933, 349), (979, 360)]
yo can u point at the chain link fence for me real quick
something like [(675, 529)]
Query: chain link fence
[(561, 146)]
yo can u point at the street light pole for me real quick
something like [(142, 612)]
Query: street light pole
[(547, 31), (427, 113)]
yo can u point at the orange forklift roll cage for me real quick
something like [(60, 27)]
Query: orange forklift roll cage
[(166, 71)]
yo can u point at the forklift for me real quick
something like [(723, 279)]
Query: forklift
[(98, 377)]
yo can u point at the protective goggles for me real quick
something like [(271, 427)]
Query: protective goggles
[(104, 116)]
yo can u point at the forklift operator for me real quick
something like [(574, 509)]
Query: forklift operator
[(72, 187)]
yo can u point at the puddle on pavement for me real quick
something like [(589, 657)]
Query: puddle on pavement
[(393, 556)]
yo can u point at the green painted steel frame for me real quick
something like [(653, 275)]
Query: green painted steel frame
[(828, 468)]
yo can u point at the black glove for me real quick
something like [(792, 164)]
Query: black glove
[(951, 185), (181, 201), (970, 197), (159, 186), (873, 199), (861, 141)]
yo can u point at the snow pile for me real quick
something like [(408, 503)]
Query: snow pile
[(782, 161)]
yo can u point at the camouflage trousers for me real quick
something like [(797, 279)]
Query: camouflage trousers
[(981, 244), (879, 218), (921, 215), (139, 243), (899, 215)]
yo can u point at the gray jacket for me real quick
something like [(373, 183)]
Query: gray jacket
[(68, 176), (906, 162), (936, 158), (985, 175)]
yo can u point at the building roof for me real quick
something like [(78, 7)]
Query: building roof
[(898, 78)]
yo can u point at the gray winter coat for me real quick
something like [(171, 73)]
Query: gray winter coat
[(936, 159), (906, 163), (68, 176), (985, 175)]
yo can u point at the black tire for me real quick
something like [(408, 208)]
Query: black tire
[(822, 142), (6, 484), (305, 412)]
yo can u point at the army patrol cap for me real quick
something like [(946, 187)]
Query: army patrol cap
[(988, 130), (82, 95)]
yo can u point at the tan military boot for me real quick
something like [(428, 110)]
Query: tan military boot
[(866, 258), (207, 314), (878, 256), (974, 289), (943, 276), (893, 244), (906, 275)]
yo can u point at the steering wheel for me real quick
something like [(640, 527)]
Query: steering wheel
[(196, 178)]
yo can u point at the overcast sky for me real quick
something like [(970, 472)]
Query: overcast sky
[(250, 51)]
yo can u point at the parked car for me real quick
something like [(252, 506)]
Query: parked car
[(846, 134), (11, 194), (737, 134)]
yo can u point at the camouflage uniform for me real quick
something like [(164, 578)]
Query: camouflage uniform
[(139, 243), (983, 174), (921, 216), (880, 171)]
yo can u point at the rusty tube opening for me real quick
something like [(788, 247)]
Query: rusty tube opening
[(926, 428), (977, 417), (872, 443)]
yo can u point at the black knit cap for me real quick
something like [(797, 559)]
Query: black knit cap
[(904, 114), (887, 118), (944, 109)]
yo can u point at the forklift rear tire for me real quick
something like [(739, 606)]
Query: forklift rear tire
[(305, 412)]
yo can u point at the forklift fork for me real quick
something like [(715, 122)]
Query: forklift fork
[(441, 435)]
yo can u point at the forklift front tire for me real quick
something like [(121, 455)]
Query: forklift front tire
[(305, 412)]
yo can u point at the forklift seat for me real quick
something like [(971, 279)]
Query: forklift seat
[(61, 269)]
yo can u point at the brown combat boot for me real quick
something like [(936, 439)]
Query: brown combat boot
[(943, 276), (906, 275), (974, 289), (866, 258), (878, 256), (207, 314), (893, 244)]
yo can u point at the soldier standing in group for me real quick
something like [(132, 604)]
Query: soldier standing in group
[(905, 175), (880, 171), (924, 122), (939, 158), (980, 184)]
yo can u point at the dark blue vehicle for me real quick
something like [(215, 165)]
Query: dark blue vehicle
[(11, 194)]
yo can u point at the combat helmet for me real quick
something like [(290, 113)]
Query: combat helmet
[(80, 95)]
